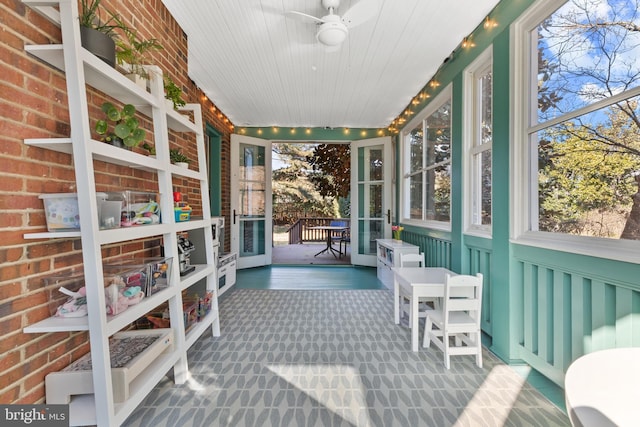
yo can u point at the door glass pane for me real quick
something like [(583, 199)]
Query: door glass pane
[(368, 232), (370, 203), (252, 202), (370, 163), (252, 237), (252, 160)]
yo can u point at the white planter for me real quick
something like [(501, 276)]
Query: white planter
[(182, 164), (138, 80)]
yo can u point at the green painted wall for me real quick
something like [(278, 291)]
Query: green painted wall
[(215, 168)]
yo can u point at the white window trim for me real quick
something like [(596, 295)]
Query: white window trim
[(432, 107), (470, 102), (523, 170)]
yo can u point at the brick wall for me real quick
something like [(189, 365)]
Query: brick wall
[(33, 103)]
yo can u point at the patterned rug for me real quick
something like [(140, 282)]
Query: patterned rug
[(334, 358)]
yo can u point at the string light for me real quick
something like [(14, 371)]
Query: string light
[(346, 131), (467, 43), (308, 131), (275, 129), (489, 23), (259, 131)]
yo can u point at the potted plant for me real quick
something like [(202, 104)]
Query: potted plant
[(179, 159), (132, 53), (97, 34), (126, 132), (150, 148), (173, 93)]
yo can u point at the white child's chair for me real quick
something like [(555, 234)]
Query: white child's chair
[(411, 260), (459, 318)]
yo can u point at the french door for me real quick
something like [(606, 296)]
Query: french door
[(371, 193), (251, 210)]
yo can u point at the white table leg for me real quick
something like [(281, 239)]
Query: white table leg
[(415, 315), (396, 300)]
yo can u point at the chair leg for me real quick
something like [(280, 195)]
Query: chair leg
[(447, 356), (428, 325), (479, 350)]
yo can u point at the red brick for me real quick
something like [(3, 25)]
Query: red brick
[(10, 395), (10, 290)]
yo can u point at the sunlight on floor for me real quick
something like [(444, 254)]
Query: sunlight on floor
[(337, 387), (488, 392)]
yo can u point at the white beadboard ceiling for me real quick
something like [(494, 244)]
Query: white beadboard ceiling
[(263, 67)]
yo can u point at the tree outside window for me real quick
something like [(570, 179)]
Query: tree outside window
[(586, 130)]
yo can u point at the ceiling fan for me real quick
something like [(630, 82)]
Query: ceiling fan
[(332, 28)]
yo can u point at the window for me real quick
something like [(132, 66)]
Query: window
[(478, 140), (427, 165), (580, 74)]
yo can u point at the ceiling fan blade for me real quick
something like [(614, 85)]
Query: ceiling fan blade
[(305, 16), (361, 12)]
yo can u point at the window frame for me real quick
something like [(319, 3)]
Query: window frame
[(524, 170), (471, 134), (445, 95)]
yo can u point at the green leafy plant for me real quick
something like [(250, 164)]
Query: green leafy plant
[(176, 156), (90, 18), (133, 51), (173, 93), (150, 148), (126, 126)]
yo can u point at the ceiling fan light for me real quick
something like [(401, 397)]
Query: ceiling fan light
[(332, 33)]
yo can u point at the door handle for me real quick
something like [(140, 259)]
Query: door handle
[(388, 216), (234, 217)]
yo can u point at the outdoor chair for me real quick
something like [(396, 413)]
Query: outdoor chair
[(337, 236), (346, 239), (457, 323)]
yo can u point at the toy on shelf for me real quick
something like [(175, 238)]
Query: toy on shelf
[(119, 297), (75, 306), (181, 208)]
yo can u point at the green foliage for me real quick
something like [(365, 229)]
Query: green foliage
[(90, 17), (585, 170), (294, 195), (173, 92), (132, 50), (177, 156), (332, 169), (125, 125)]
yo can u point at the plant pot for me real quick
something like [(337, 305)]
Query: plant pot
[(117, 142), (138, 80), (169, 104), (182, 164), (99, 44)]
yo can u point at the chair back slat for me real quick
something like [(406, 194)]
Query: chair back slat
[(412, 260)]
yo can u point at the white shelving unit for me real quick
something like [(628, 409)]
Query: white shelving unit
[(83, 69), (388, 256)]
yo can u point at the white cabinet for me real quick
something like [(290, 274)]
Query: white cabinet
[(83, 70), (388, 254)]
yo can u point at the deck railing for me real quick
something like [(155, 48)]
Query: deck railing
[(301, 231)]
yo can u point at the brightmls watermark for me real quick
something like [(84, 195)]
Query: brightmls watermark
[(34, 415)]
